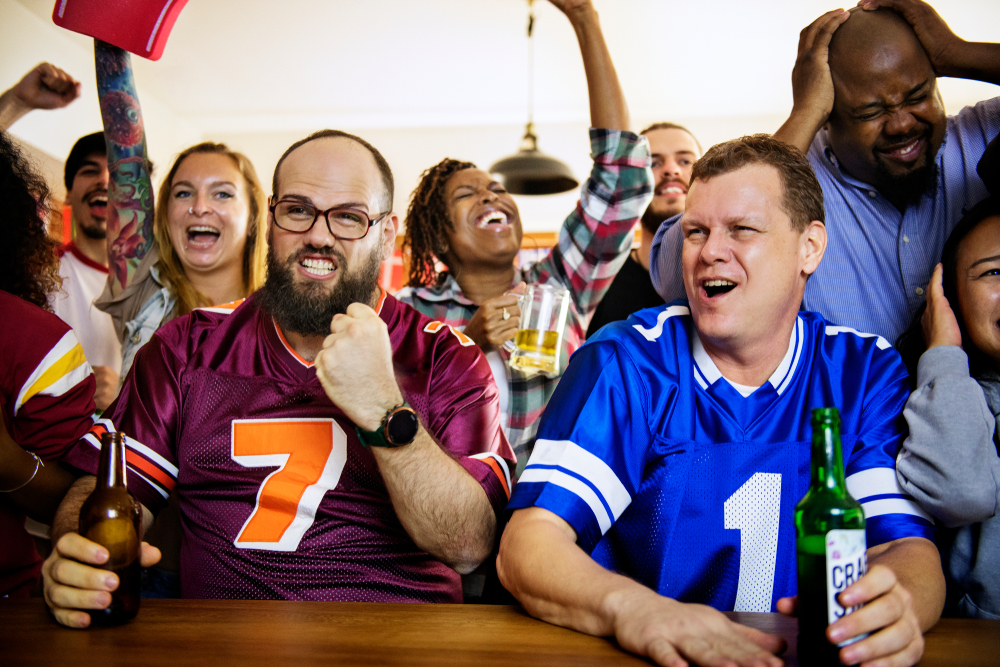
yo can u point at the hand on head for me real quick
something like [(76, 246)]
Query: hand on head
[(939, 321), (71, 583), (934, 34)]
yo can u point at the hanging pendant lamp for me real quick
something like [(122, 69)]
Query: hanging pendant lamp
[(530, 171)]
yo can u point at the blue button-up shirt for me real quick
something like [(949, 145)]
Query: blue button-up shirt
[(878, 260)]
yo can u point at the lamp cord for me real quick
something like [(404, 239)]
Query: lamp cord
[(531, 62)]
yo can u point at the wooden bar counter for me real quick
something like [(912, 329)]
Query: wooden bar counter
[(219, 633)]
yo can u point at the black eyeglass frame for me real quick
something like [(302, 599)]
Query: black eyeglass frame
[(326, 216)]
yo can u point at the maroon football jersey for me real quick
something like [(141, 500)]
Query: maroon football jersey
[(278, 497), (47, 396)]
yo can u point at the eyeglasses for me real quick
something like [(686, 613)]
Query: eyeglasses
[(346, 224)]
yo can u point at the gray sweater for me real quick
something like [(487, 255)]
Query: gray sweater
[(950, 465)]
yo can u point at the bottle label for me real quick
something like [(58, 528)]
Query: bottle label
[(846, 562)]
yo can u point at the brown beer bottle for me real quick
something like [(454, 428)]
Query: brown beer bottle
[(111, 517)]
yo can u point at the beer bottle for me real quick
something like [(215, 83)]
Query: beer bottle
[(830, 543), (112, 517)]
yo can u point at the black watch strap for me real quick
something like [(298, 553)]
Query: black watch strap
[(398, 428)]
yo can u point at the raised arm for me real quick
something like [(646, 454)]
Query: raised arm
[(130, 192), (812, 83), (608, 109), (950, 54), (44, 87)]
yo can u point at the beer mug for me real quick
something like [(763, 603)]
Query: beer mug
[(540, 331)]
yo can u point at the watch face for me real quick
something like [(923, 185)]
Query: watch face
[(402, 427)]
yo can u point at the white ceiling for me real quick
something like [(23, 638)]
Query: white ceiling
[(245, 68)]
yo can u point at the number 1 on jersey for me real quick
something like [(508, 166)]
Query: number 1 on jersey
[(755, 511), (310, 455)]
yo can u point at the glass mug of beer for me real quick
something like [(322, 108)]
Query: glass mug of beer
[(540, 331)]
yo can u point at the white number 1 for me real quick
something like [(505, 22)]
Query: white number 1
[(755, 511)]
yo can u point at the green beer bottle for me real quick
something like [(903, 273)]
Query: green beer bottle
[(830, 543)]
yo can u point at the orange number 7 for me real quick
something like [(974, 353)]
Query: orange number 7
[(310, 455)]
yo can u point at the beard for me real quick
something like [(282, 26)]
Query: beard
[(651, 220), (307, 309), (906, 190), (93, 232)]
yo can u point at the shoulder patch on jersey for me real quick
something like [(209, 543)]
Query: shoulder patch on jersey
[(224, 308), (436, 326), (880, 342), (652, 334)]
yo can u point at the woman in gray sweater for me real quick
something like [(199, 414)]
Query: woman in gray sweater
[(951, 461)]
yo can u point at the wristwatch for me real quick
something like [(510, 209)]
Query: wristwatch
[(398, 428)]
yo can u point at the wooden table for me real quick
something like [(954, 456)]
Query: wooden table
[(218, 633)]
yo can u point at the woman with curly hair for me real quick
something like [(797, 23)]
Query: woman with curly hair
[(46, 386), (208, 244), (463, 218)]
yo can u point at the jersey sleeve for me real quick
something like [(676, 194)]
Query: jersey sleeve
[(463, 412), (592, 442), (595, 238), (890, 513), (665, 260), (55, 399), (147, 410)]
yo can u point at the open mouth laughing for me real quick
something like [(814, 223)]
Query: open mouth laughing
[(716, 287), (671, 189), (202, 236), (98, 204), (494, 220)]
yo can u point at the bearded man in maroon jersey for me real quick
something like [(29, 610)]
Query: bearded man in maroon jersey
[(283, 423)]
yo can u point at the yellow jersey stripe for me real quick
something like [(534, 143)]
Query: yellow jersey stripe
[(60, 370)]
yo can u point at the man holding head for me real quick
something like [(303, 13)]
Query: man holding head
[(673, 150), (670, 460), (896, 172), (284, 423)]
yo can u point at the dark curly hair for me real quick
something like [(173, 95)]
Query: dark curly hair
[(29, 266), (428, 223)]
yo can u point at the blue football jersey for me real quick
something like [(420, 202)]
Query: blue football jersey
[(673, 477)]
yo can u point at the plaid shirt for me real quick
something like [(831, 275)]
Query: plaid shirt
[(593, 243)]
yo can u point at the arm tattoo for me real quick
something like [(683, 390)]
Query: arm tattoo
[(130, 192)]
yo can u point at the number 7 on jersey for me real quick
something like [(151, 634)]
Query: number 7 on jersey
[(310, 455)]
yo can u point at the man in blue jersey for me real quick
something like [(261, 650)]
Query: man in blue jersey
[(677, 445)]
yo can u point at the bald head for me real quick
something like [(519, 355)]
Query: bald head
[(872, 42)]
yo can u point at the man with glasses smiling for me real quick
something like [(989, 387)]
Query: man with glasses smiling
[(285, 424)]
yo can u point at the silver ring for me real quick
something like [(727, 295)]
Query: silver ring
[(191, 210), (506, 315)]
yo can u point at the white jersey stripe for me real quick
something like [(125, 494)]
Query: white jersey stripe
[(64, 357), (652, 334), (894, 506), (574, 486), (881, 343), (574, 459), (148, 453), (498, 459), (873, 482)]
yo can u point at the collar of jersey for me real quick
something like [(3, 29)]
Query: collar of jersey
[(706, 373), (291, 350)]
